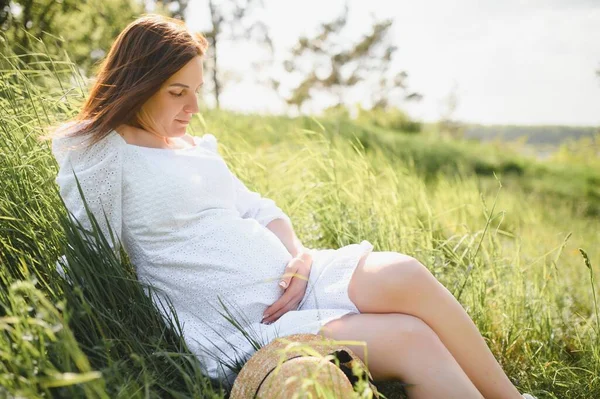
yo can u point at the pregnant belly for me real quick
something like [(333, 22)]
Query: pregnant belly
[(237, 261), (247, 269)]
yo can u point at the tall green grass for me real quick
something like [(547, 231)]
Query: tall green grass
[(511, 254), (93, 332)]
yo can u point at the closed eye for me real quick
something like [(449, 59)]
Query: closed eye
[(181, 94)]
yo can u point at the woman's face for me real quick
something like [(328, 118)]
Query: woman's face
[(169, 110)]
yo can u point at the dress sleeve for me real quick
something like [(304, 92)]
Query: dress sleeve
[(249, 203), (98, 169)]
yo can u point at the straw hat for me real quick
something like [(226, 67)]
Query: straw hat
[(290, 364)]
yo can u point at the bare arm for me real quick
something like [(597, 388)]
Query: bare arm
[(300, 266), (285, 232)]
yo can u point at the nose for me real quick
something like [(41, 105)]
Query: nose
[(192, 106)]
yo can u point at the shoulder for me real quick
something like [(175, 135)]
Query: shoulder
[(189, 139), (78, 150), (208, 141), (64, 140)]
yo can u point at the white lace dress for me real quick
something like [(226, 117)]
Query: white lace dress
[(195, 232)]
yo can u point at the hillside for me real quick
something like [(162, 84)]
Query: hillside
[(533, 135), (572, 184)]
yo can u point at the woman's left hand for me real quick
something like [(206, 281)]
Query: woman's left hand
[(295, 279)]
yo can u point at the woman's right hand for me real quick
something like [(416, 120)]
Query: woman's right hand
[(296, 277)]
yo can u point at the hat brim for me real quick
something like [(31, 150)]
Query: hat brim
[(268, 358)]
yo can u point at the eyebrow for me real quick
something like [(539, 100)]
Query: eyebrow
[(182, 85)]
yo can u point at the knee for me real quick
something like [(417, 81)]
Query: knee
[(414, 331), (407, 273)]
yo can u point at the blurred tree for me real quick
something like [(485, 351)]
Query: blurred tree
[(20, 19), (234, 20), (176, 9), (5, 13), (88, 43), (87, 28), (390, 118), (346, 64), (448, 125)]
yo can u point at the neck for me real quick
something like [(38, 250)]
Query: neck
[(160, 137), (140, 132)]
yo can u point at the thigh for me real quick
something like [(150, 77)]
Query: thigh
[(330, 275), (382, 276), (397, 346), (381, 341)]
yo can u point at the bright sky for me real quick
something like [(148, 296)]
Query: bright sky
[(509, 62)]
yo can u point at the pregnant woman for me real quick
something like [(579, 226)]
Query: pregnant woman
[(194, 231)]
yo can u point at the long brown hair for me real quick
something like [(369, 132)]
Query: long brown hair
[(144, 55)]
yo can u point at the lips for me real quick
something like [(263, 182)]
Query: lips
[(183, 122)]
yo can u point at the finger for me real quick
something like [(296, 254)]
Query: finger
[(296, 288), (287, 296), (300, 276), (306, 257), (292, 305), (291, 269), (301, 280), (294, 293)]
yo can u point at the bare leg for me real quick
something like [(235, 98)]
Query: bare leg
[(389, 282), (404, 347)]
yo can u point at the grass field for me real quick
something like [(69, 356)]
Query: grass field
[(506, 234)]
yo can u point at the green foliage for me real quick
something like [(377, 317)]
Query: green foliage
[(84, 30), (94, 330), (437, 200), (88, 42), (70, 337), (583, 151), (22, 18), (37, 342), (525, 288), (389, 119)]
